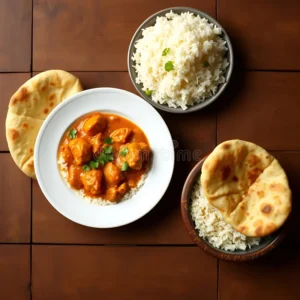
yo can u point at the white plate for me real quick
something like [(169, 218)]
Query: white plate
[(67, 201)]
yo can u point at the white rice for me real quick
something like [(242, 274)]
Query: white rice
[(63, 167), (193, 42), (212, 226)]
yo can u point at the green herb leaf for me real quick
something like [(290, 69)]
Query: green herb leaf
[(124, 151), (109, 157), (169, 66), (86, 168), (148, 92), (108, 150), (103, 158), (206, 64), (165, 51), (124, 166), (94, 164), (108, 140), (72, 133)]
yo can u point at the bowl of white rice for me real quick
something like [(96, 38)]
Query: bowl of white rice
[(208, 229), (180, 60)]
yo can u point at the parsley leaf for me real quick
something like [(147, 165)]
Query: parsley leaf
[(148, 92), (124, 151), (108, 150), (110, 157), (169, 66), (124, 166), (108, 140), (72, 133), (86, 168), (206, 64), (94, 164), (103, 158), (165, 51)]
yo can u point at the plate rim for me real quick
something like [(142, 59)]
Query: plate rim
[(49, 118)]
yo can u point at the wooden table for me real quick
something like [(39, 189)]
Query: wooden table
[(45, 256)]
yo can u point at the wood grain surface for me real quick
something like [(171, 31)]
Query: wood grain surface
[(92, 35), (265, 33), (15, 272), (85, 272), (15, 35)]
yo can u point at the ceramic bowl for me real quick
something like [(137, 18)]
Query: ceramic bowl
[(67, 201), (150, 22), (266, 245)]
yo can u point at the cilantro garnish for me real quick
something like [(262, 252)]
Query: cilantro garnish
[(72, 133), (124, 151), (124, 166), (86, 168), (105, 156), (148, 92), (169, 66), (94, 164), (108, 140), (165, 51)]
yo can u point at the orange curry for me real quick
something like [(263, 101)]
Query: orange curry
[(106, 155)]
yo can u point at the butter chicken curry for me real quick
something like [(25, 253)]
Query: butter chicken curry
[(106, 155)]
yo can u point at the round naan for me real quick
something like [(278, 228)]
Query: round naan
[(29, 107), (248, 186)]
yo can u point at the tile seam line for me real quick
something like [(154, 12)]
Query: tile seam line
[(126, 71), (217, 113), (31, 50), (118, 245)]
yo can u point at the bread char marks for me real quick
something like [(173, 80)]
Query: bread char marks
[(268, 201), (29, 107), (234, 182)]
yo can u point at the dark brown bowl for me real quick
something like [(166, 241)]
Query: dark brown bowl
[(267, 244)]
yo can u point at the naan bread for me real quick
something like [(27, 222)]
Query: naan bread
[(29, 107), (266, 205), (230, 172)]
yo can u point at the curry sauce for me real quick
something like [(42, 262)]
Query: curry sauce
[(106, 155)]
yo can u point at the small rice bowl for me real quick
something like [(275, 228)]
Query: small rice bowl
[(211, 225), (63, 168), (193, 50)]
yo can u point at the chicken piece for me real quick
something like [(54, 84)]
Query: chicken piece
[(92, 181), (137, 153), (120, 135), (74, 177), (66, 154), (112, 194), (81, 150), (112, 174), (96, 142), (123, 189), (115, 193), (94, 125)]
